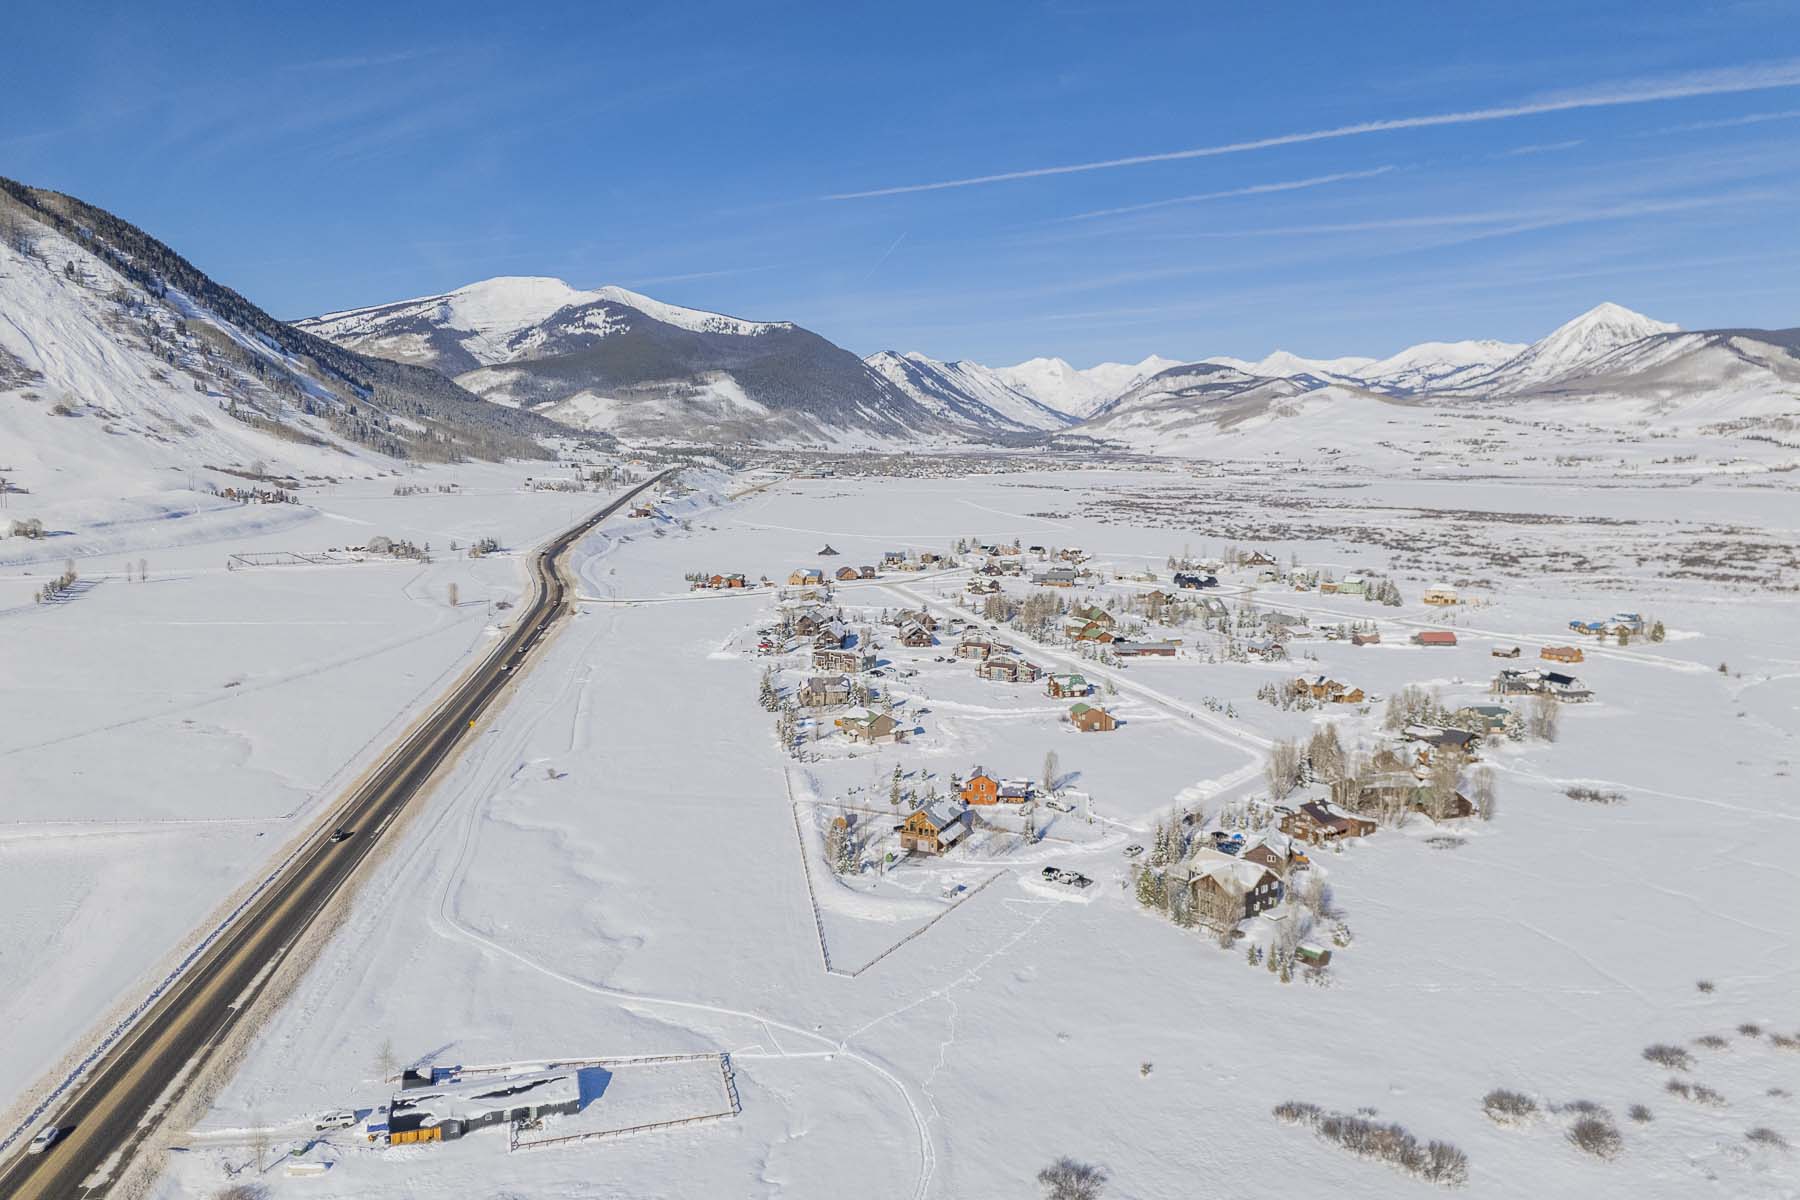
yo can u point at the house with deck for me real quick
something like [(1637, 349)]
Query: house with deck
[(934, 828), (1319, 822)]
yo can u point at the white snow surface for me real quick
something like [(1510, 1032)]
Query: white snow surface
[(629, 864)]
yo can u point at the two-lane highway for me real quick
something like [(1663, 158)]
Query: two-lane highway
[(122, 1098)]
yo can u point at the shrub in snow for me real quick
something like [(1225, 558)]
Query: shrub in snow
[(1673, 1057), (1505, 1107), (1762, 1135), (1749, 1030), (1699, 1093), (1596, 1136), (1438, 1162), (1640, 1114), (1066, 1179), (1296, 1112), (1711, 1041)]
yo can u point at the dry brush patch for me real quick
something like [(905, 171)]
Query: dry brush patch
[(1665, 1055), (1434, 1161), (1596, 1135), (1509, 1108)]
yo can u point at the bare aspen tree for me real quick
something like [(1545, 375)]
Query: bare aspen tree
[(454, 595), (1485, 797), (1283, 770), (387, 1063), (1052, 769), (1545, 714)]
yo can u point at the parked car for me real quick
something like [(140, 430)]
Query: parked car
[(1066, 878), (1133, 851), (341, 1118), (42, 1142), (955, 890), (1061, 806)]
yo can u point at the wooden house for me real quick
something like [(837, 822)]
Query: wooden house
[(1440, 594), (1505, 652), (848, 573), (1365, 637), (1319, 823), (1068, 687), (1164, 649), (842, 662), (915, 635), (1006, 669), (1434, 637), (806, 577), (1225, 890), (825, 691), (1491, 718), (1329, 691), (918, 616), (1056, 577), (934, 828), (1258, 558), (1089, 718), (871, 729), (1093, 614), (1562, 654), (981, 788), (976, 648), (1089, 631)]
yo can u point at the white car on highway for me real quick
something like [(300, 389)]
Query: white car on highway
[(44, 1139)]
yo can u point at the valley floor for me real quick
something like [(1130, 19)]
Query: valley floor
[(628, 864)]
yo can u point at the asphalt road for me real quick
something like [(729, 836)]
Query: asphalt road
[(122, 1099)]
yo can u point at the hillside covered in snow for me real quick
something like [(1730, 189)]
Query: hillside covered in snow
[(126, 370)]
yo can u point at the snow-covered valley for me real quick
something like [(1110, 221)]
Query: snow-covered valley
[(628, 864)]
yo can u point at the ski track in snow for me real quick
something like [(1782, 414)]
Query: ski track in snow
[(518, 731)]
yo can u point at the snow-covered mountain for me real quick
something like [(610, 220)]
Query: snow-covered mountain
[(1281, 365), (1432, 365), (1568, 350), (613, 359), (1055, 384), (125, 370), (966, 393)]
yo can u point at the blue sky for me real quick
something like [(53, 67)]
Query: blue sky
[(1328, 178)]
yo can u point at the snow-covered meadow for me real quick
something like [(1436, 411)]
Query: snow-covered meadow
[(179, 717), (627, 863)]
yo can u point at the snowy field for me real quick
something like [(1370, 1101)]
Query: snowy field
[(628, 863), (164, 741)]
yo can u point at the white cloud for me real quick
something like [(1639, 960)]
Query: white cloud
[(1729, 122), (1753, 78), (1255, 189)]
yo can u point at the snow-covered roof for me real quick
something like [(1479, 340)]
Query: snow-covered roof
[(469, 1099), (1228, 870)]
